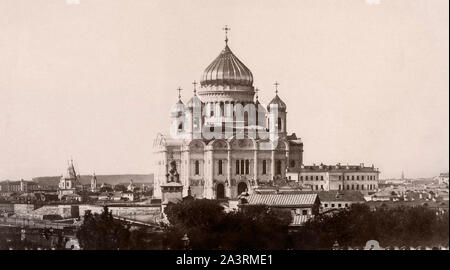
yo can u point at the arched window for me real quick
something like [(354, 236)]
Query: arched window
[(279, 123), (197, 167), (264, 167), (180, 127), (247, 166), (220, 167), (292, 163)]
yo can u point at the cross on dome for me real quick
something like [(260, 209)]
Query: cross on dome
[(276, 87), (195, 87), (226, 29), (179, 92)]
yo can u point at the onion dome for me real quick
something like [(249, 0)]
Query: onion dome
[(277, 101), (227, 69), (178, 109)]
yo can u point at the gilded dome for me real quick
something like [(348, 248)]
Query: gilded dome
[(227, 69)]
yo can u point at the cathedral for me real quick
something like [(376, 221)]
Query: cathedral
[(223, 141)]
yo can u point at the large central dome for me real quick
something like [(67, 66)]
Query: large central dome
[(227, 70)]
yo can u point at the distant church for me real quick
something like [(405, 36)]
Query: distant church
[(230, 163), (70, 182)]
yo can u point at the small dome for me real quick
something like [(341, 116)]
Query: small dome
[(227, 69), (277, 101), (178, 109)]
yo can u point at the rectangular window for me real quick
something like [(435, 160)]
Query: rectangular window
[(237, 166), (339, 205), (264, 169), (332, 205), (340, 177), (317, 178), (301, 178), (339, 187), (306, 178), (220, 167), (348, 177), (326, 205), (242, 166), (321, 187), (321, 177), (357, 177), (247, 166), (305, 212), (362, 177)]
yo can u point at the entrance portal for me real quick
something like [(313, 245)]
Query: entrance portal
[(220, 191), (242, 187)]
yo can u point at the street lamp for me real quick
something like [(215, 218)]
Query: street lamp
[(185, 240)]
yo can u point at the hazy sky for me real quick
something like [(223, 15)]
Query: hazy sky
[(363, 83)]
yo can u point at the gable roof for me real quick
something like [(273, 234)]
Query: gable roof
[(283, 199)]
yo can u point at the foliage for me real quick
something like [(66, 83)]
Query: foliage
[(209, 227), (391, 227), (101, 231), (120, 188)]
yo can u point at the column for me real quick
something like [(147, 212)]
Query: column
[(272, 163), (188, 173), (208, 175), (228, 187), (287, 161), (255, 166)]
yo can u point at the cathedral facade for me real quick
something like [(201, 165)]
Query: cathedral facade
[(223, 141)]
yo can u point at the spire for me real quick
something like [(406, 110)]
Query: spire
[(226, 29)]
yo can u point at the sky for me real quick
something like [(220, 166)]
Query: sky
[(365, 81)]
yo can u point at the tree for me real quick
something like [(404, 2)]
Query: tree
[(101, 231), (416, 226), (209, 227), (120, 188)]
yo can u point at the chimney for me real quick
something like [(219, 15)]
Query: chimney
[(361, 165)]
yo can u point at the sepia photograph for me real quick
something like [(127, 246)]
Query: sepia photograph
[(251, 126)]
